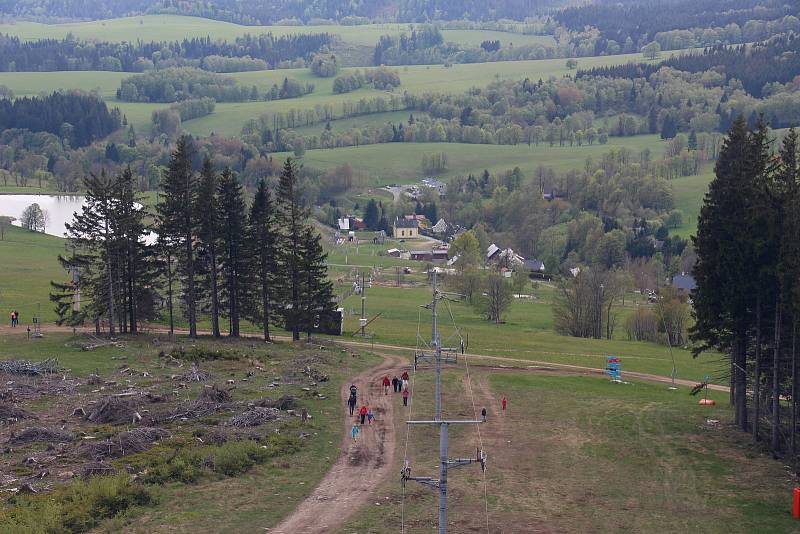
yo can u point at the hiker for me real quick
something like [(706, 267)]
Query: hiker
[(370, 416), (353, 391), (503, 403), (396, 384), (405, 397), (362, 413), (404, 376), (12, 320), (386, 385), (483, 414), (351, 402), (355, 431), (16, 318)]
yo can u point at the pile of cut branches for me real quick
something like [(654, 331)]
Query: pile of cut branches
[(130, 442), (48, 435), (26, 367), (255, 417)]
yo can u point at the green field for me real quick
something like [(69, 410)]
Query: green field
[(579, 454), (689, 192), (28, 262), (228, 118), (175, 27), (400, 162)]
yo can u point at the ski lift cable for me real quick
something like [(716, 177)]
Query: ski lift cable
[(408, 430), (477, 427)]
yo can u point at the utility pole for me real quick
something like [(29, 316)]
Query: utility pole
[(363, 321), (445, 463)]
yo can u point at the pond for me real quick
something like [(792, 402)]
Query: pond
[(59, 207)]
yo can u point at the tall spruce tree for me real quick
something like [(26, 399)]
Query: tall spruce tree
[(177, 221), (317, 290), (290, 217), (209, 234), (722, 299), (261, 241), (234, 255)]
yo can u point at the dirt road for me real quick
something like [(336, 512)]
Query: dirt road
[(362, 467)]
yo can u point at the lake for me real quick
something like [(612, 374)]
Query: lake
[(60, 208)]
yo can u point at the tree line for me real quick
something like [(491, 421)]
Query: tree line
[(77, 118), (638, 23), (747, 300), (247, 52), (212, 254), (756, 66)]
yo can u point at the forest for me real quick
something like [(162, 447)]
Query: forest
[(78, 119), (641, 22), (248, 52), (757, 66)]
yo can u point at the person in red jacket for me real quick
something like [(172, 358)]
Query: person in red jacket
[(386, 383), (405, 397), (504, 402), (363, 413)]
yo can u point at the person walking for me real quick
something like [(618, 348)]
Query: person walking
[(16, 318), (483, 414), (503, 403), (405, 397), (386, 385), (395, 380), (370, 416), (363, 414), (351, 403), (12, 319), (355, 432)]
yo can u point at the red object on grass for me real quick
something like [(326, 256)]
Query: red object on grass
[(796, 504)]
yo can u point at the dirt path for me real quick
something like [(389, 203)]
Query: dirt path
[(362, 467)]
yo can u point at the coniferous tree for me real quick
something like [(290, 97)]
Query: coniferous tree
[(371, 214), (316, 291), (721, 303), (209, 230), (234, 255), (261, 241), (291, 220), (177, 221)]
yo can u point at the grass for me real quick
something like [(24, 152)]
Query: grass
[(176, 27), (365, 121), (400, 162), (529, 323), (261, 484), (578, 454), (29, 262), (228, 118), (689, 192)]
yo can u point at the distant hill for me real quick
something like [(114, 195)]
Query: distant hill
[(272, 11)]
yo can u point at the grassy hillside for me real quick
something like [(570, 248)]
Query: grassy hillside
[(400, 162), (175, 27), (28, 261), (578, 454), (689, 192), (229, 117)]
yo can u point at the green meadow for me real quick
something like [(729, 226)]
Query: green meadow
[(176, 27)]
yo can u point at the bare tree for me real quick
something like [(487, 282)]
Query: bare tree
[(497, 297), (5, 222)]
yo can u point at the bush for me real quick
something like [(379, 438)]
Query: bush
[(324, 65), (76, 508), (237, 457)]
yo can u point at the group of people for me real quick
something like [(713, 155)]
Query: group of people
[(14, 318), (364, 414), (399, 385)]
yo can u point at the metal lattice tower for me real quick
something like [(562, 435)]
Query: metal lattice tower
[(445, 463)]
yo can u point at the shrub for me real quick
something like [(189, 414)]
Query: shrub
[(76, 508), (237, 457)]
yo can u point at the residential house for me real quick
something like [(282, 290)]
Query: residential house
[(406, 228), (684, 282)]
